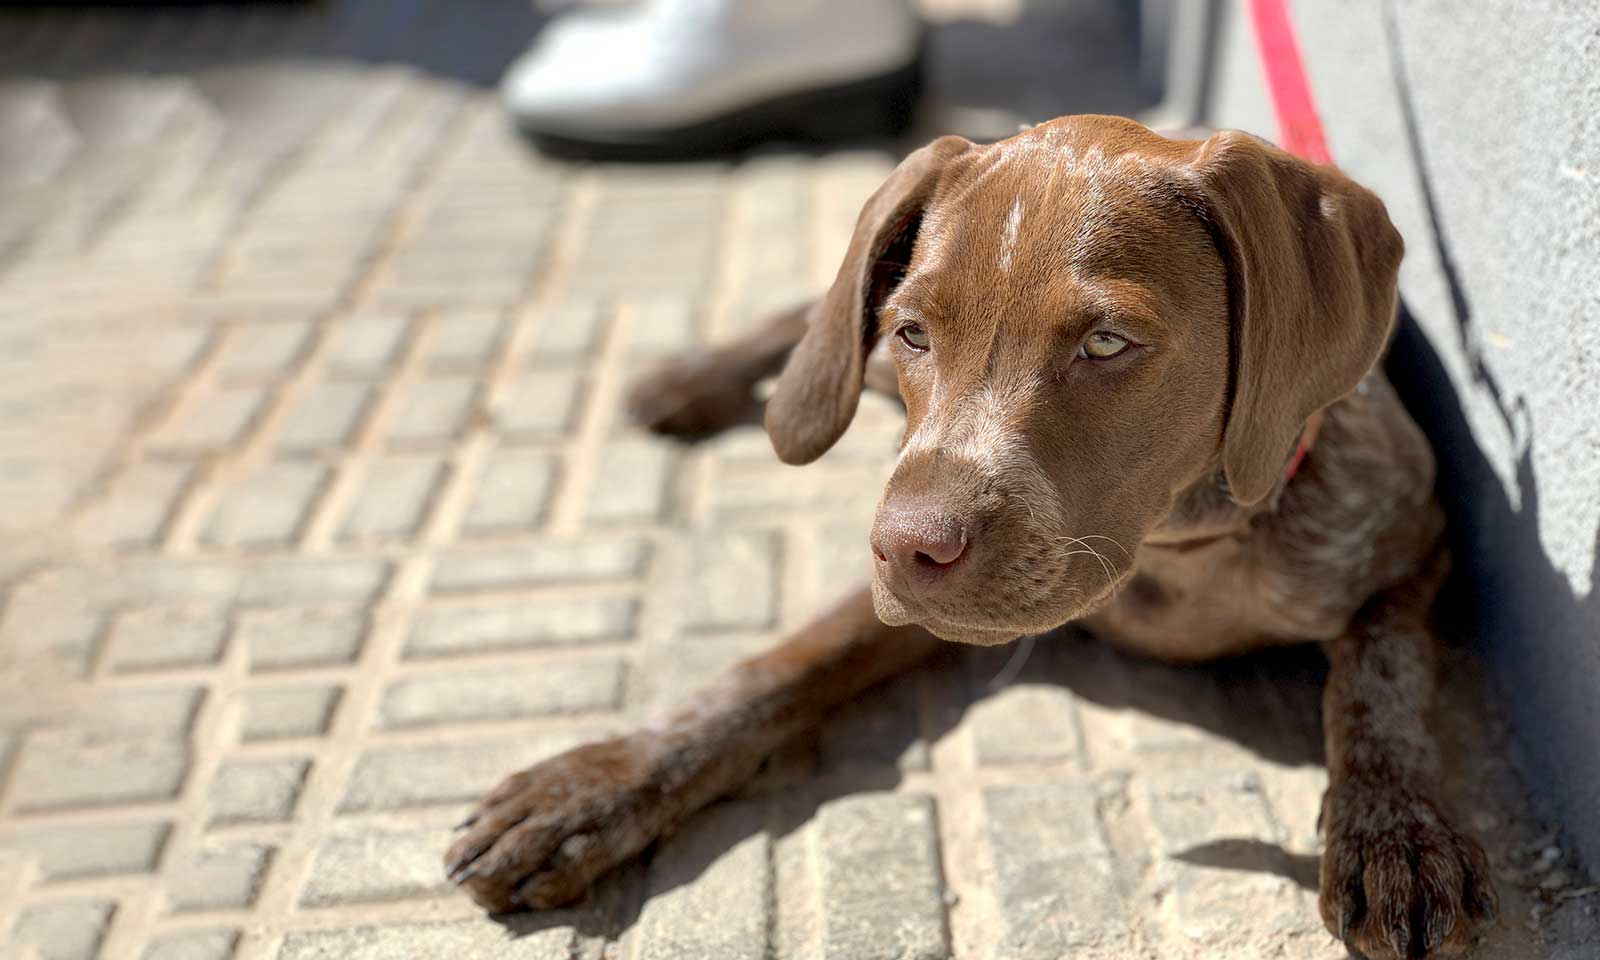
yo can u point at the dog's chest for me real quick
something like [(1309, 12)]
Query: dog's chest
[(1211, 601)]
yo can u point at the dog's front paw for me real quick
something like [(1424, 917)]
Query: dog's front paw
[(1397, 880), (542, 836), (694, 396)]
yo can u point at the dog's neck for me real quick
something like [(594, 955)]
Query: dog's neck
[(1206, 512)]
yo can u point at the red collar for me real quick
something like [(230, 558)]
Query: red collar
[(1308, 438)]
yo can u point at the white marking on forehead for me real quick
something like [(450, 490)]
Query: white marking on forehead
[(1008, 233), (980, 431)]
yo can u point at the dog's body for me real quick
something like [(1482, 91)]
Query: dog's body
[(1110, 346)]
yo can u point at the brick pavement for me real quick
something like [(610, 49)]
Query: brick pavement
[(325, 518)]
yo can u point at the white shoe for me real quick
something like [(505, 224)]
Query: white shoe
[(684, 76)]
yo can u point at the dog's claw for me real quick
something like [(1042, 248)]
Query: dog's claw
[(1486, 905), (467, 823), (1438, 925), (462, 869), (1400, 940)]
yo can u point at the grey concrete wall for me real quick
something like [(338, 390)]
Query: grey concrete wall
[(1479, 124)]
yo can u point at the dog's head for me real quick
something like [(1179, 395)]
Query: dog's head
[(1086, 320)]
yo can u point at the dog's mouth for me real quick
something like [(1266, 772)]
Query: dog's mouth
[(1000, 612), (897, 610)]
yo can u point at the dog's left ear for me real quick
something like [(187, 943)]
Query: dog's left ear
[(816, 396), (1313, 268)]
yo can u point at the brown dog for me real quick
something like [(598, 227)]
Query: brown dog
[(1115, 351)]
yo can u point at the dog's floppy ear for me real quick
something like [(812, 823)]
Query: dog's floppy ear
[(817, 395), (1313, 267)]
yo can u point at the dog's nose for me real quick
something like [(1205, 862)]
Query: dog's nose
[(919, 540)]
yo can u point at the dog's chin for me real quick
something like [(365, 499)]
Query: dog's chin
[(895, 612)]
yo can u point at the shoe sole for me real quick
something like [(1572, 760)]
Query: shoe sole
[(874, 107)]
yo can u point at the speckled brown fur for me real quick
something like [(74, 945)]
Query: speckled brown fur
[(1144, 496)]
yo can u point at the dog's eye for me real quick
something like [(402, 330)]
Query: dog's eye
[(914, 336), (1102, 346)]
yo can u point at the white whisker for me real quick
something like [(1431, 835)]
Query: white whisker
[(1013, 666), (1105, 565)]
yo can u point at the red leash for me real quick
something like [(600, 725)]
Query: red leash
[(1299, 127)]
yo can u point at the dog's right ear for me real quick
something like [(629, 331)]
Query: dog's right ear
[(817, 395)]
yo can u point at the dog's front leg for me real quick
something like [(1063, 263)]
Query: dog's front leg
[(1398, 880), (543, 835), (713, 388)]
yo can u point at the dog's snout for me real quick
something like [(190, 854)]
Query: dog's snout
[(919, 541)]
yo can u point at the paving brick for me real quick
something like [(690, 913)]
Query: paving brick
[(193, 945), (842, 561), (540, 405), (267, 507), (162, 710), (761, 487), (631, 482), (394, 498), (138, 507), (272, 713), (175, 349), (220, 877), (541, 563), (660, 326), (392, 778), (161, 637), (482, 628), (881, 885), (283, 639), (68, 636), (213, 422), (719, 866), (566, 332), (443, 271), (366, 864), (324, 417), (93, 850), (1054, 878), (645, 241), (677, 669), (512, 493), (257, 350), (1026, 723), (1196, 816), (733, 581), (431, 411), (180, 583), (306, 581), (465, 339), (366, 346), (75, 768), (505, 694), (65, 931), (255, 791), (408, 941)]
